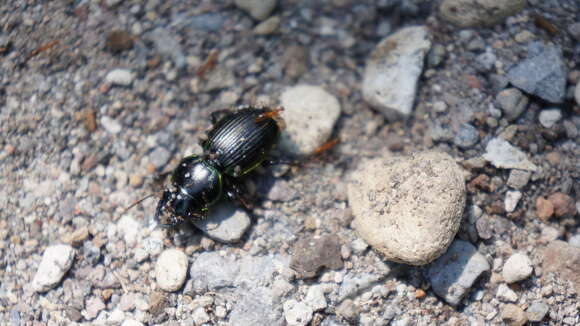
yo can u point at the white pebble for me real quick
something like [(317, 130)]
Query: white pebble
[(549, 117), (122, 77), (512, 199), (56, 261), (171, 269), (518, 267), (504, 293), (297, 313)]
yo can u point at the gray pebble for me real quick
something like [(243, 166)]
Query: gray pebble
[(129, 229), (453, 274), (159, 157), (111, 125), (225, 222), (575, 240), (513, 103), (542, 73), (436, 55), (574, 30), (268, 26), (171, 270), (549, 117), (348, 310), (315, 298), (93, 307), (121, 77), (200, 316), (577, 93), (210, 272), (56, 261), (467, 136), (486, 61), (168, 45), (297, 313), (518, 267), (472, 13), (310, 114), (258, 9), (398, 208), (498, 82), (281, 191), (537, 311), (392, 72), (518, 179)]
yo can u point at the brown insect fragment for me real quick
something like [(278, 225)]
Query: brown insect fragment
[(209, 64), (543, 23), (42, 48)]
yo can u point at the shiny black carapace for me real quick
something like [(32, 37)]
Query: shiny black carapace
[(238, 142)]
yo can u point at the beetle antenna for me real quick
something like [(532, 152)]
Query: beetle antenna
[(137, 203)]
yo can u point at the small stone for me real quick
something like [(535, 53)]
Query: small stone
[(220, 77), (524, 36), (477, 13), (544, 208), (543, 73), (225, 222), (297, 313), (518, 179), (200, 316), (435, 56), (258, 9), (399, 209), (537, 311), (268, 26), (512, 199), (315, 298), (517, 268), (577, 93), (563, 259), (168, 45), (563, 204), (348, 311), (392, 72), (549, 117), (453, 274), (513, 103), (310, 114), (159, 157), (310, 255), (111, 126), (121, 77), (503, 155), (467, 136), (359, 246), (119, 41), (130, 229), (575, 240), (93, 306), (574, 30), (130, 322), (116, 317), (127, 302), (513, 315), (504, 293), (56, 261), (171, 270)]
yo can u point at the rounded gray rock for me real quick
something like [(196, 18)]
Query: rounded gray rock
[(309, 113), (518, 267), (225, 223), (471, 13), (297, 313), (171, 269), (408, 208)]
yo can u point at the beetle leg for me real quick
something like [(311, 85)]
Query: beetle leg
[(237, 193)]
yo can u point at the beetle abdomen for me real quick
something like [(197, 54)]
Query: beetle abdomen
[(242, 140)]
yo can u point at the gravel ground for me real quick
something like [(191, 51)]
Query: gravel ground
[(99, 99)]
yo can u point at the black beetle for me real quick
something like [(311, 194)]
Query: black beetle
[(238, 142)]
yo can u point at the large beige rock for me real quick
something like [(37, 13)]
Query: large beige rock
[(408, 208)]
